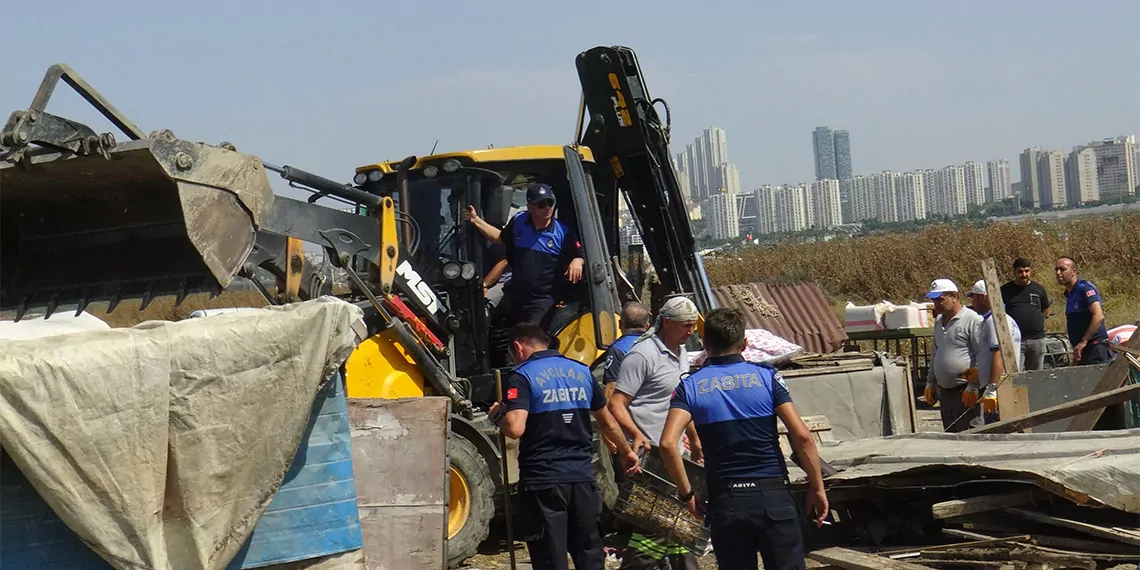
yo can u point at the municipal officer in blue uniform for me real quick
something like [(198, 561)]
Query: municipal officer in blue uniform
[(544, 254), (1084, 315), (734, 405), (634, 321), (547, 406)]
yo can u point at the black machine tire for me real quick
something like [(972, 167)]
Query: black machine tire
[(480, 500)]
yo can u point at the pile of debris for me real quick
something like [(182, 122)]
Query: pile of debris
[(936, 500)]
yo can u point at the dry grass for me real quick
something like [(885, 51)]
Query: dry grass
[(900, 267), (128, 314)]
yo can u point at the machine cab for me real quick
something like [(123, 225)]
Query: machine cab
[(452, 256)]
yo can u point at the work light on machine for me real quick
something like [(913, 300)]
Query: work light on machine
[(451, 165), (430, 171)]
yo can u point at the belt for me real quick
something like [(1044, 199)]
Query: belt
[(758, 484)]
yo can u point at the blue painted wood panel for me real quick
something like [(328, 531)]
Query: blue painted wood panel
[(313, 514)]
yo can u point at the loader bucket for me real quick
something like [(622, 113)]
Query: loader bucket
[(158, 216)]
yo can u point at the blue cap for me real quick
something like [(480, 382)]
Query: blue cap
[(538, 193)]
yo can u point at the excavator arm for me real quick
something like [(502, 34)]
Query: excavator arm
[(632, 147)]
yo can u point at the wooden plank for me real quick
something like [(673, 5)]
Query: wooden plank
[(980, 504), (1114, 377), (815, 370), (1061, 411), (399, 453), (854, 560), (1012, 403), (1086, 528), (399, 450)]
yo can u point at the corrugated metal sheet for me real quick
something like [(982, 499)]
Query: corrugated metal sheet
[(1104, 465), (313, 513), (799, 313)]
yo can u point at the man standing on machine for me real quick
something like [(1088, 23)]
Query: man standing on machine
[(539, 248)]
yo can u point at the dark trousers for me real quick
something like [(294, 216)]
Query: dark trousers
[(563, 519), (955, 416), (763, 519), (531, 310), (1095, 352)]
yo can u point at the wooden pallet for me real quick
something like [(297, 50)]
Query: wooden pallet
[(818, 425)]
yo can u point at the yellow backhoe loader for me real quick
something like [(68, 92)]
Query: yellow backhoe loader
[(87, 218)]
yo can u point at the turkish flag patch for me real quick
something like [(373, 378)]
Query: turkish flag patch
[(1090, 292), (512, 393), (578, 244)]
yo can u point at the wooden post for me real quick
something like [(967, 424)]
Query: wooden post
[(1013, 401)]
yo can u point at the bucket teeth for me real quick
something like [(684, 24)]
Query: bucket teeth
[(51, 306), (148, 296), (23, 310), (183, 291), (83, 301), (115, 299)]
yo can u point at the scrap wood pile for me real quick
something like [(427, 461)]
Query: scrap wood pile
[(933, 500)]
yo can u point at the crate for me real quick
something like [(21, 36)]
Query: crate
[(649, 503)]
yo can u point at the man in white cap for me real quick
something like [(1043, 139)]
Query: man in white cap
[(990, 364), (649, 373), (953, 358)]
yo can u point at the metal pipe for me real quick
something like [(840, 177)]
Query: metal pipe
[(505, 474)]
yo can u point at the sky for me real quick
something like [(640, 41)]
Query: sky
[(917, 84)]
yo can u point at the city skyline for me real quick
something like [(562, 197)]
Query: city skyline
[(984, 170), (1057, 179)]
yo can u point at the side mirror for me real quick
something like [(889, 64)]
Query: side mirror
[(498, 210)]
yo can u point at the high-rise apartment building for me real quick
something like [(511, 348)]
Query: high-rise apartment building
[(1001, 186), (792, 209), (683, 168), (886, 202), (1051, 179), (724, 223), (767, 218), (975, 183), (1116, 168), (951, 190), (862, 199), (910, 196), (1081, 180), (706, 164), (827, 210), (823, 142), (842, 155), (727, 179), (930, 180), (1030, 186)]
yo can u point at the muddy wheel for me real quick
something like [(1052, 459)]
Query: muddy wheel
[(471, 501)]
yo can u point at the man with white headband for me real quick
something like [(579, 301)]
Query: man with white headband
[(649, 373)]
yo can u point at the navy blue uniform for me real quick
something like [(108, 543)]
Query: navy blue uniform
[(616, 353), (561, 502), (1077, 318), (733, 405), (538, 259)]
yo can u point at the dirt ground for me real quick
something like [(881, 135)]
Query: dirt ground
[(928, 420)]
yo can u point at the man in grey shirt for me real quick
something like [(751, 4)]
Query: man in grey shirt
[(953, 359), (649, 373)]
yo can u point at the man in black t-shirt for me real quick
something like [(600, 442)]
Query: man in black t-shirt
[(544, 254), (547, 406), (1028, 304)]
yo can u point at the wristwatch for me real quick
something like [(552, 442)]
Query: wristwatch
[(687, 496)]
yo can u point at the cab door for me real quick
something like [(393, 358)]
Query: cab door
[(587, 336)]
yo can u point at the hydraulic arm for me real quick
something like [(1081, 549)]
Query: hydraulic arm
[(626, 133)]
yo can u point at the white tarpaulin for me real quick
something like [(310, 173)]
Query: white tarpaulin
[(162, 444)]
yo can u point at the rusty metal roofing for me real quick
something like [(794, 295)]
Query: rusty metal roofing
[(799, 313)]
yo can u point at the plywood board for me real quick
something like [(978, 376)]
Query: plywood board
[(399, 450)]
